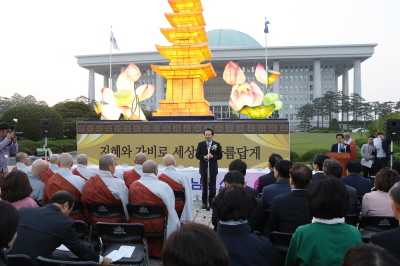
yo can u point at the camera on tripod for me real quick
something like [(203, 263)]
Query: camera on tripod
[(12, 127)]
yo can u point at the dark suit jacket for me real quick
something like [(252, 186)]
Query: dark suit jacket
[(265, 180), (335, 148), (361, 184), (42, 229), (386, 149), (316, 176), (202, 151), (253, 191), (280, 187), (289, 211), (389, 240), (353, 200), (256, 219)]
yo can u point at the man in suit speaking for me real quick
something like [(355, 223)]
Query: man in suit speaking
[(208, 152), (340, 146)]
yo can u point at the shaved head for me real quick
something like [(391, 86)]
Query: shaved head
[(140, 158), (150, 166), (65, 160), (105, 161), (39, 167), (20, 156), (169, 160), (54, 159), (82, 159), (114, 157)]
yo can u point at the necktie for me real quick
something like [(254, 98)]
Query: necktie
[(340, 148)]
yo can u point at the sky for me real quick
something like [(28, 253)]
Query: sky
[(40, 39)]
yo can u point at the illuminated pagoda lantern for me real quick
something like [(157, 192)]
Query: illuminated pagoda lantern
[(185, 74)]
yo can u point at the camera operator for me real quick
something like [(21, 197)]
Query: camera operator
[(8, 144)]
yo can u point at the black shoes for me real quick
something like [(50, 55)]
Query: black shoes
[(203, 206)]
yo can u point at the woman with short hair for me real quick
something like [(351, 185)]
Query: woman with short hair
[(326, 240), (16, 189)]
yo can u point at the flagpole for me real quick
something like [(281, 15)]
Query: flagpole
[(266, 50), (110, 79)]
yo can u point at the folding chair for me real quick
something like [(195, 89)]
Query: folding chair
[(370, 225), (351, 219), (50, 262), (78, 207), (147, 212), (18, 260), (102, 210), (282, 242), (179, 197), (84, 235), (114, 235)]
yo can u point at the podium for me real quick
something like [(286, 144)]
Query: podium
[(342, 157)]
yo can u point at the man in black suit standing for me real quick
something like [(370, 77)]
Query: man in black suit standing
[(382, 154), (340, 146), (390, 240), (208, 152)]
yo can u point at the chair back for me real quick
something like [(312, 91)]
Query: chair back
[(102, 210), (81, 229), (18, 260), (179, 195), (378, 223), (282, 242), (266, 214), (351, 219), (120, 232), (49, 262), (78, 207), (146, 211)]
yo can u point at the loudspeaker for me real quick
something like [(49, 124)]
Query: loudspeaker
[(45, 127), (393, 129)]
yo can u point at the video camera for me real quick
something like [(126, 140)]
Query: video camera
[(12, 127)]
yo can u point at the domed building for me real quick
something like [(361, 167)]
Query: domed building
[(307, 72)]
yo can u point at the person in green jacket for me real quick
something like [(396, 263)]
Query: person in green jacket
[(326, 240)]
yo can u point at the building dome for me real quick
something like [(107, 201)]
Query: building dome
[(224, 37)]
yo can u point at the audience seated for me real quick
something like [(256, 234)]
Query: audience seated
[(42, 230), (194, 245), (333, 167), (115, 158), (54, 162), (149, 190), (390, 240), (256, 219), (8, 229), (318, 165), (16, 190), (268, 179), (326, 240), (38, 170), (241, 166), (105, 188), (22, 162), (81, 169), (396, 166), (369, 254), (178, 181), (136, 172), (234, 205), (281, 186), (353, 179), (289, 211), (65, 180), (378, 203)]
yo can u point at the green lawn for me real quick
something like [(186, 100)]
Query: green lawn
[(301, 142)]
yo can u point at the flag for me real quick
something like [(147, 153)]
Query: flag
[(266, 27), (113, 41)]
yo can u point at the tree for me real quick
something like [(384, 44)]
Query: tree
[(73, 112), (356, 101), (319, 108), (330, 102), (17, 99), (83, 99), (334, 125), (366, 110), (304, 114), (386, 108), (343, 106), (29, 116)]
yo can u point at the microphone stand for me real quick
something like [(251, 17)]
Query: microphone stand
[(208, 175)]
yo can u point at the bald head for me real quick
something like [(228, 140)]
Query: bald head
[(140, 158), (150, 167), (65, 161), (82, 159), (169, 160), (112, 155), (22, 157), (54, 159), (39, 167), (107, 163)]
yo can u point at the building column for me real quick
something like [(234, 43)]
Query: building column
[(159, 90), (317, 79), (357, 76), (336, 82), (345, 81), (275, 85), (91, 94), (106, 81)]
